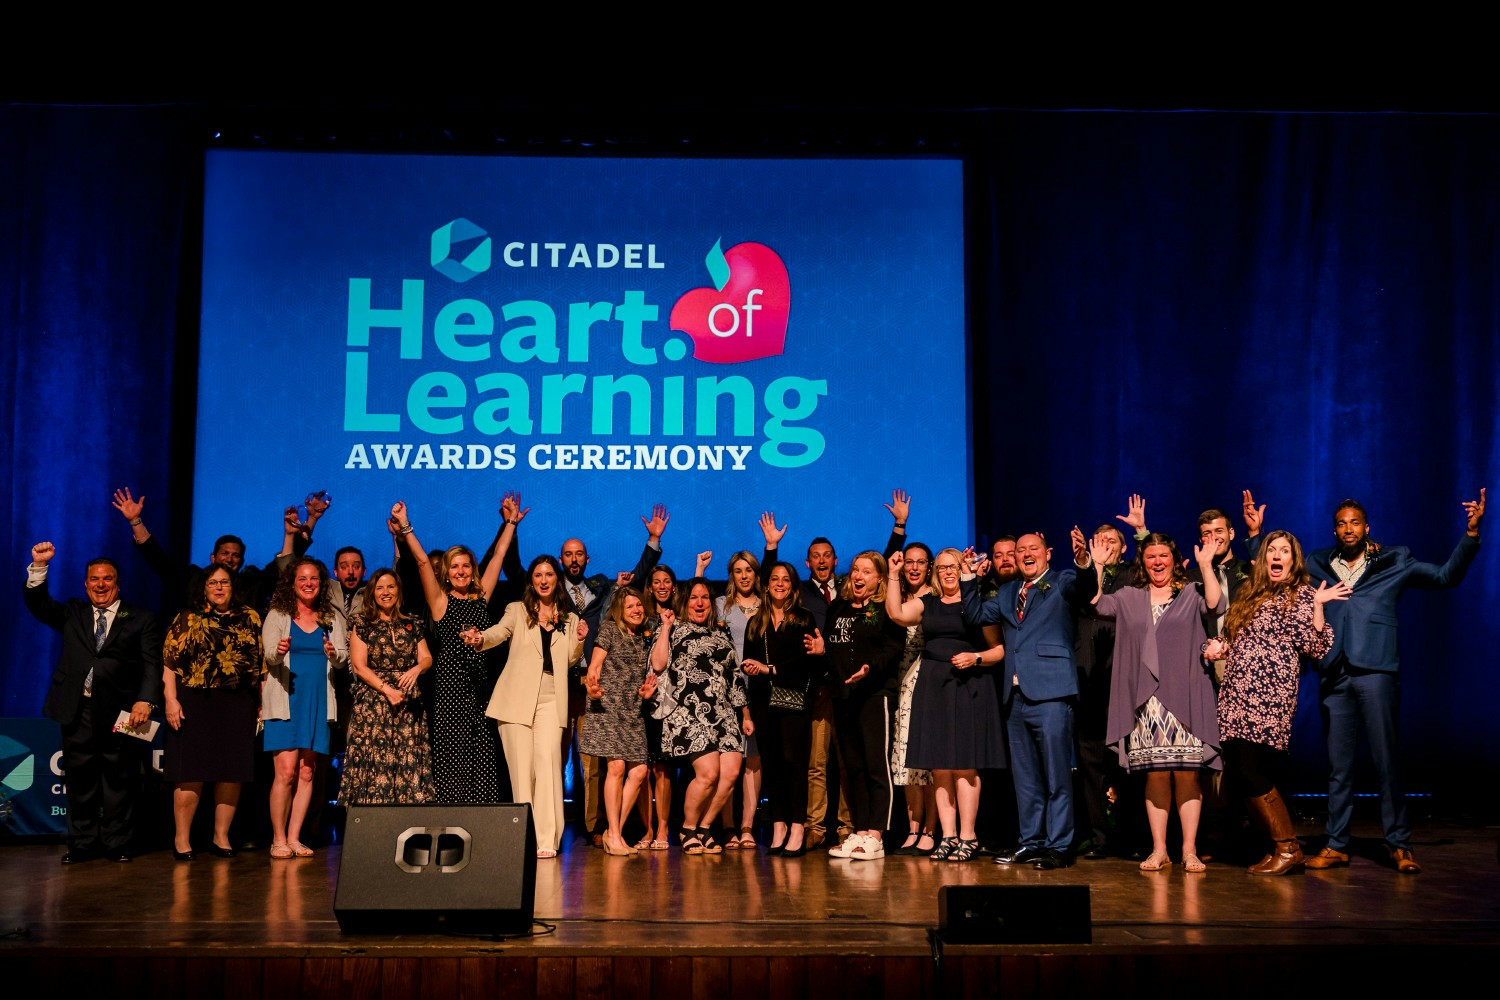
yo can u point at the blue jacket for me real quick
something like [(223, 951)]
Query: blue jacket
[(1365, 629), (1038, 650)]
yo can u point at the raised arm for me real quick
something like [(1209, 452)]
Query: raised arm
[(1135, 515), (661, 649), (1212, 592), (908, 612), (900, 508), (1254, 518), (437, 598), (512, 514), (130, 509), (773, 542)]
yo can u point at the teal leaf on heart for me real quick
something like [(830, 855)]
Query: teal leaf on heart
[(718, 267)]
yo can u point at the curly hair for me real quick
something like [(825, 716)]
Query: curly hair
[(285, 597), (1261, 589), (1138, 564)]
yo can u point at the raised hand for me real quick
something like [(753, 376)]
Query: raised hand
[(398, 513), (290, 522), (704, 558), (510, 507), (1099, 549), (894, 564), (1203, 555), (393, 526), (768, 528), (42, 553), (128, 506), (900, 505), (1080, 545), (814, 643), (623, 578), (1254, 516), (317, 505), (1473, 508), (668, 616), (1135, 513), (982, 567), (657, 523), (1338, 592)]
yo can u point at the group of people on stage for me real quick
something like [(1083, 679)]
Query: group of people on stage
[(921, 668)]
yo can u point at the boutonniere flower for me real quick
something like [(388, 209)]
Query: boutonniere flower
[(1044, 587), (122, 614), (1176, 589), (1372, 549), (872, 613)]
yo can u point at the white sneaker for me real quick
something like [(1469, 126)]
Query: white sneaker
[(844, 850), (868, 849)]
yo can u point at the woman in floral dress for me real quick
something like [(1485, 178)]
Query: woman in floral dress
[(388, 761), (1269, 628)]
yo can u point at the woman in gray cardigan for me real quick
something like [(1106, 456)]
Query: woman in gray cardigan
[(1163, 716)]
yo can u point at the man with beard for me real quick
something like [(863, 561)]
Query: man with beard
[(1359, 674), (1002, 567), (252, 585)]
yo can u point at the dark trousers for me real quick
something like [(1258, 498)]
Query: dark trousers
[(785, 740), (102, 772), (1041, 761), (862, 725), (1350, 697)]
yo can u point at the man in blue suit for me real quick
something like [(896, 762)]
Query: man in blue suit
[(1038, 689), (1359, 674)]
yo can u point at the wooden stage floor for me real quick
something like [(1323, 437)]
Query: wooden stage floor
[(244, 922)]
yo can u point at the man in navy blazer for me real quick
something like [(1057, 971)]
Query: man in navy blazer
[(1359, 674), (1038, 689), (110, 663)]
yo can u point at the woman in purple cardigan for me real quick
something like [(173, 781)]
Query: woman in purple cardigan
[(1163, 716)]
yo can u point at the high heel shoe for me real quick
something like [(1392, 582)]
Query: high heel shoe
[(945, 847), (222, 852), (965, 851), (908, 847), (182, 855), (794, 852)]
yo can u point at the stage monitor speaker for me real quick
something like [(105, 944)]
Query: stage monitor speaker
[(434, 867), (1014, 914)]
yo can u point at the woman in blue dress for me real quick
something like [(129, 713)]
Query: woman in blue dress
[(304, 642)]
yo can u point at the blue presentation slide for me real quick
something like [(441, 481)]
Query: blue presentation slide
[(722, 336)]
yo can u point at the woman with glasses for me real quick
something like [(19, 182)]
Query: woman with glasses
[(916, 782), (212, 688), (956, 727)]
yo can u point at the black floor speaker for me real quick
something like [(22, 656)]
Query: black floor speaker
[(1014, 914), (469, 869)]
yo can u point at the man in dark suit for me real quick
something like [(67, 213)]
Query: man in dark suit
[(111, 663), (1039, 686), (1359, 674)]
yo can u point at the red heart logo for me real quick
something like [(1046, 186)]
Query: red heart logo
[(746, 318)]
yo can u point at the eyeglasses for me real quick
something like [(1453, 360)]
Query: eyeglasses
[(946, 568), (218, 583), (916, 562)]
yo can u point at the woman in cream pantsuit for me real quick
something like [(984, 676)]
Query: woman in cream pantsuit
[(530, 700)]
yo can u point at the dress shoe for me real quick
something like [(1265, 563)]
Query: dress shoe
[(597, 840), (1020, 856), (1050, 860), (182, 855), (78, 857), (120, 857), (1096, 852), (1328, 858), (222, 852), (1405, 863)]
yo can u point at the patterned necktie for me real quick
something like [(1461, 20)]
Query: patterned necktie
[(101, 629), (1021, 603)]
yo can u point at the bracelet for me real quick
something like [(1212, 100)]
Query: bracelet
[(135, 522), (405, 529), (900, 524)]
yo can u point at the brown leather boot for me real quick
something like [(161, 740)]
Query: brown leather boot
[(1286, 857)]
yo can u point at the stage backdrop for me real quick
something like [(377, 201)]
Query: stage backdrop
[(1182, 305), (722, 336)]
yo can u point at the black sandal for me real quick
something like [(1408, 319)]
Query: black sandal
[(690, 842), (710, 845), (945, 847), (965, 851)]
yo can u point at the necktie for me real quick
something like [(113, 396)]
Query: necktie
[(1021, 603), (827, 591), (101, 629)]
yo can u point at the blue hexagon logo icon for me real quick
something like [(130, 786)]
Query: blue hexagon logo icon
[(460, 250), (17, 766)]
